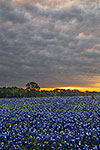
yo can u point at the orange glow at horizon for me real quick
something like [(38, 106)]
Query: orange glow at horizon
[(83, 89)]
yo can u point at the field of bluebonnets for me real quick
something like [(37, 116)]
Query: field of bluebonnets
[(54, 123)]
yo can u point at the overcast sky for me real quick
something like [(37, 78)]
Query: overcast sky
[(53, 42)]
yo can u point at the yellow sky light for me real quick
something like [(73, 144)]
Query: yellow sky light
[(78, 88)]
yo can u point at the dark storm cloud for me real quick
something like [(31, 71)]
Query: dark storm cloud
[(55, 46)]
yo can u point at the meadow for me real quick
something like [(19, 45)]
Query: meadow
[(50, 123)]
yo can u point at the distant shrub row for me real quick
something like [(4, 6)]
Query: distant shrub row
[(15, 92)]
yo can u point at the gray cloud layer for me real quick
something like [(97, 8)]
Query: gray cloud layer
[(55, 46)]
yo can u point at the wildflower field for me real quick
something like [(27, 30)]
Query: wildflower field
[(54, 123)]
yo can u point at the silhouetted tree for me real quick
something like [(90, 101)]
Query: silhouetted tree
[(32, 85)]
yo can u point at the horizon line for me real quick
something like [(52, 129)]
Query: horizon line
[(83, 89)]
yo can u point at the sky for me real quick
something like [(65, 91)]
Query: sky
[(53, 42)]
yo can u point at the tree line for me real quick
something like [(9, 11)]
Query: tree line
[(33, 90)]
